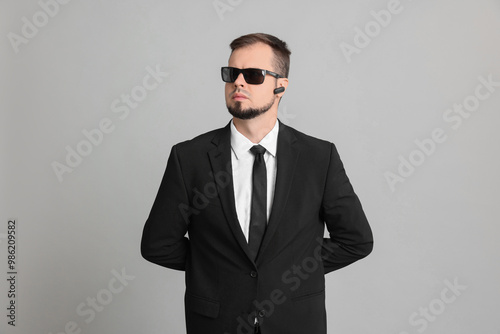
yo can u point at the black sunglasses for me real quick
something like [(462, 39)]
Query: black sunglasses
[(253, 76)]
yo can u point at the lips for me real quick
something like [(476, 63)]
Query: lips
[(239, 97)]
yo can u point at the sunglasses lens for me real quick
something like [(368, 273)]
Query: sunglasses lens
[(228, 74), (253, 76)]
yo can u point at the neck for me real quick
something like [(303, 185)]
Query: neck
[(256, 128)]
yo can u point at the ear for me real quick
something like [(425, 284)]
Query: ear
[(282, 82)]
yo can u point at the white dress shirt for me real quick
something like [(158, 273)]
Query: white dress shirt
[(242, 162)]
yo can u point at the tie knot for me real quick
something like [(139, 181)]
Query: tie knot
[(258, 149)]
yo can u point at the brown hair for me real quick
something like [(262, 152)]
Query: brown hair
[(280, 49)]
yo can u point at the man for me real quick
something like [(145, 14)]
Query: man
[(254, 198)]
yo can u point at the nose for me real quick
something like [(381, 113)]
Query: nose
[(240, 80)]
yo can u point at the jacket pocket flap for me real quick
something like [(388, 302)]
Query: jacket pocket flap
[(309, 295), (202, 306)]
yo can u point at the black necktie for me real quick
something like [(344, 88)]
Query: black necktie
[(258, 214)]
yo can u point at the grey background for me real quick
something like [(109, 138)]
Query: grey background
[(439, 225)]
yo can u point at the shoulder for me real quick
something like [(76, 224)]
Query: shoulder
[(307, 142), (202, 142), (314, 152), (201, 139)]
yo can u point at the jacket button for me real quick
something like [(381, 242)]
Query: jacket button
[(262, 313), (253, 274)]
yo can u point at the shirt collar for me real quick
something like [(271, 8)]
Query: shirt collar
[(241, 144)]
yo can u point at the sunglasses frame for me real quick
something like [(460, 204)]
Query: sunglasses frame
[(244, 71)]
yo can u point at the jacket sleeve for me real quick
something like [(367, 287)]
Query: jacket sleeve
[(163, 239), (350, 234)]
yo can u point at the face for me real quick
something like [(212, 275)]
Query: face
[(248, 101)]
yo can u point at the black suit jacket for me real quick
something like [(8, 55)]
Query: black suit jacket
[(285, 286)]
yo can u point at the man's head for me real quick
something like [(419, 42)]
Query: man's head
[(256, 51)]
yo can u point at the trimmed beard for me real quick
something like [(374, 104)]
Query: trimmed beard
[(249, 113)]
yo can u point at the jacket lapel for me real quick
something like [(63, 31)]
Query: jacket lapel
[(287, 154), (220, 160)]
